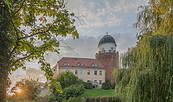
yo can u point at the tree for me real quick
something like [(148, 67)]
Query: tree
[(156, 18), (71, 86), (23, 23), (29, 90), (68, 78), (147, 70)]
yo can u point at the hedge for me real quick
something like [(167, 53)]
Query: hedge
[(88, 85), (103, 99)]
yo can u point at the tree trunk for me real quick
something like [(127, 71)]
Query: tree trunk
[(4, 69), (4, 50)]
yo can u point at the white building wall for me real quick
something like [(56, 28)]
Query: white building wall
[(107, 47)]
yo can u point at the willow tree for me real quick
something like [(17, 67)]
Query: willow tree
[(156, 17), (23, 23), (147, 72)]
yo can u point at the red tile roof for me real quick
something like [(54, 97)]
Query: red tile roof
[(74, 62)]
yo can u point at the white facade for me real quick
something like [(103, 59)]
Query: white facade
[(107, 47)]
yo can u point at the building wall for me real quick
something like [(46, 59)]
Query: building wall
[(107, 47), (84, 76), (110, 61)]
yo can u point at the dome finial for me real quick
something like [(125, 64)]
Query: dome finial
[(106, 33)]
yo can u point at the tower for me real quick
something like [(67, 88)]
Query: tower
[(108, 56)]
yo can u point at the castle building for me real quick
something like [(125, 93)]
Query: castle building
[(96, 70)]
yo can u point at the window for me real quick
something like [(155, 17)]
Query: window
[(80, 64), (88, 72), (95, 72), (76, 72), (100, 81), (94, 64), (80, 72), (100, 72), (103, 50), (111, 50), (66, 63), (66, 70), (88, 81), (95, 80)]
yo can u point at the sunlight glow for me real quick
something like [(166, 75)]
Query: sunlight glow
[(19, 90)]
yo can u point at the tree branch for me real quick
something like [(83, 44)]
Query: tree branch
[(37, 32), (27, 56), (19, 8), (21, 59)]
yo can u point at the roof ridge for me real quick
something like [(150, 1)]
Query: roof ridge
[(78, 58)]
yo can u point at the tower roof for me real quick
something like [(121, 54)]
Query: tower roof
[(107, 39)]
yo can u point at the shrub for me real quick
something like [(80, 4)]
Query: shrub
[(73, 91), (103, 99), (106, 85), (68, 78), (88, 85)]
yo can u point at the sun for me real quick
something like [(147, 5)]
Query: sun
[(19, 90)]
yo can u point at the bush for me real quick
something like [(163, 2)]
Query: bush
[(68, 78), (88, 85), (73, 91), (106, 85), (103, 99)]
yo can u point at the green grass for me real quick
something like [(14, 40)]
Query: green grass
[(97, 92)]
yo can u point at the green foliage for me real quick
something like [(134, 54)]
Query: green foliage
[(28, 30), (106, 85), (147, 70), (68, 78), (29, 90), (103, 99), (96, 92), (149, 75), (156, 18), (74, 99), (88, 85), (71, 85), (73, 91)]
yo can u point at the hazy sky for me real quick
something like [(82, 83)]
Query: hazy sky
[(95, 18)]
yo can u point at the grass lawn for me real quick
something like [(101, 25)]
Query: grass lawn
[(98, 92)]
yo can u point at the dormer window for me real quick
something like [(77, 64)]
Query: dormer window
[(66, 63), (80, 64), (94, 64)]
